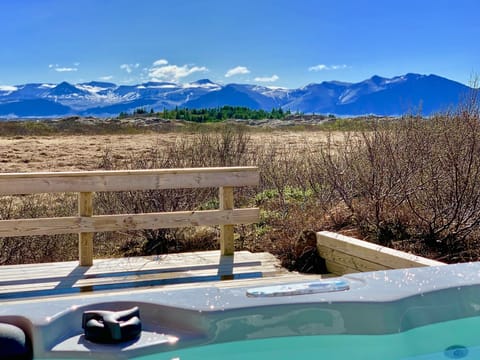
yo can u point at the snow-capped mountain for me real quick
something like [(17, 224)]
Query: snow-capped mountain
[(377, 95)]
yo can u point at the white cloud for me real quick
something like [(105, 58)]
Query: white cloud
[(59, 68), (65, 69), (318, 67), (126, 67), (272, 78), (106, 78), (238, 70), (129, 67), (160, 62), (161, 71), (321, 67)]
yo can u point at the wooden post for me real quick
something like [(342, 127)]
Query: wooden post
[(227, 246), (85, 240)]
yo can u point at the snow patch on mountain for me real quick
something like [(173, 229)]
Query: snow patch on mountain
[(8, 88), (377, 95), (91, 88)]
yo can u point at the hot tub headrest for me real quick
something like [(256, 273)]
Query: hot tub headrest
[(14, 343)]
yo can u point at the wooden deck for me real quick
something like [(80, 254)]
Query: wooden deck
[(184, 269)]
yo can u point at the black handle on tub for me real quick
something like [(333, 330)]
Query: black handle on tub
[(103, 326)]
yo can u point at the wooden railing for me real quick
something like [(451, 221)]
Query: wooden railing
[(86, 183), (344, 255)]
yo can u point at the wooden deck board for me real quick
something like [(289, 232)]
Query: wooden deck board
[(186, 269)]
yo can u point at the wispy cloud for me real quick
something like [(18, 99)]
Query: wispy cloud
[(66, 69), (272, 78), (59, 68), (161, 70), (238, 70), (106, 78), (129, 67), (160, 62), (322, 67)]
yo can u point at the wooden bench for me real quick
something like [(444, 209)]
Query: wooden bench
[(86, 183), (344, 255)]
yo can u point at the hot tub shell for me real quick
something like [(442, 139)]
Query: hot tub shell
[(380, 302)]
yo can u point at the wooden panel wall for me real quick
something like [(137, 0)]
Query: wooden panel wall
[(344, 255)]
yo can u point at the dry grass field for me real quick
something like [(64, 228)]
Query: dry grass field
[(85, 152)]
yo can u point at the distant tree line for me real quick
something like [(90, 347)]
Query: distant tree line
[(212, 114)]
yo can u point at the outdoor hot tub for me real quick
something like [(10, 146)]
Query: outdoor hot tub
[(421, 313)]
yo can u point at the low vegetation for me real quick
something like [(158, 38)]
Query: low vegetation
[(412, 184)]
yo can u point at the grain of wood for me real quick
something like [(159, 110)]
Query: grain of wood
[(227, 244), (345, 254), (353, 262), (94, 181), (126, 222), (50, 279), (85, 239)]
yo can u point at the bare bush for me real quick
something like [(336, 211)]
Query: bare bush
[(414, 182), (228, 147), (33, 249)]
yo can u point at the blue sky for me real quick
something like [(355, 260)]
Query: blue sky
[(287, 43)]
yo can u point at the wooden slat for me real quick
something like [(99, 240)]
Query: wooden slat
[(99, 223), (93, 181), (363, 255), (85, 239), (339, 269), (353, 262), (227, 244)]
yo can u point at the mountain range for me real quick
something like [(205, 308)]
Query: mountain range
[(410, 93)]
